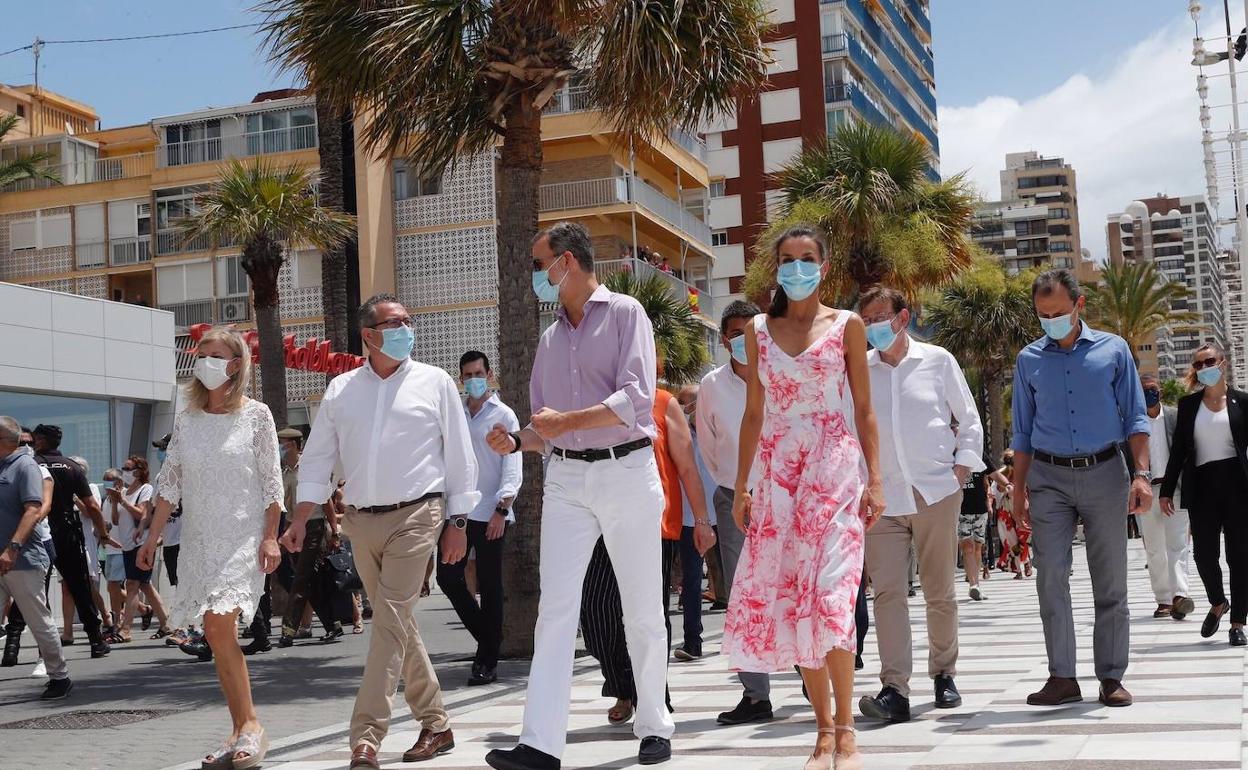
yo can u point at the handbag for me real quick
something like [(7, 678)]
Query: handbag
[(339, 570)]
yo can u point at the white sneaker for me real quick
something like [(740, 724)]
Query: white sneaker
[(40, 671), (977, 594)]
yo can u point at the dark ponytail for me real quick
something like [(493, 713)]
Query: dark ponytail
[(780, 300)]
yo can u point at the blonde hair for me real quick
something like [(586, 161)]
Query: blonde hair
[(1190, 379), (197, 394)]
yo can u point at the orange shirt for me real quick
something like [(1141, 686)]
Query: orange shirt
[(673, 512)]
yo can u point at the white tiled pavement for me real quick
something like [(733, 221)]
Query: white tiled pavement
[(1188, 712)]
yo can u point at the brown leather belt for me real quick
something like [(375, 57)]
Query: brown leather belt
[(397, 506)]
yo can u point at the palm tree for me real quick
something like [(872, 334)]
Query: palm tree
[(984, 317), (1134, 300), (886, 222), (335, 303), (438, 81), (30, 166), (678, 335), (267, 209)]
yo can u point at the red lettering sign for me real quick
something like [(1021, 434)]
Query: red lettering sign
[(314, 355)]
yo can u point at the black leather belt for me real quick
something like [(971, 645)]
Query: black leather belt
[(397, 506), (594, 455), (1082, 461)]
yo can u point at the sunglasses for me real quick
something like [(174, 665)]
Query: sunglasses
[(1204, 363)]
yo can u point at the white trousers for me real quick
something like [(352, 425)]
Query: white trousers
[(621, 500), (1169, 549)]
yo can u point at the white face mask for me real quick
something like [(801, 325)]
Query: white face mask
[(127, 477), (211, 372)]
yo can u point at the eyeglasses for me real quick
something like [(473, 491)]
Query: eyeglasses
[(219, 358), (127, 467), (1205, 363), (25, 443), (395, 323)]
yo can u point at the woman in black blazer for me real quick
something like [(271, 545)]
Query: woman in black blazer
[(1209, 457)]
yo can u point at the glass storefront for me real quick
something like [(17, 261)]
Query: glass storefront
[(101, 431)]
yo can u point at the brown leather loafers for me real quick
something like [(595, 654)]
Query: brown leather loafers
[(364, 756), (429, 745), (1056, 692), (1114, 694)]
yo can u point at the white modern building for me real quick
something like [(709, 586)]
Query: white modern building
[(103, 371)]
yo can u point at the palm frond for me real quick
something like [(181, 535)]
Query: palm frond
[(1134, 300), (29, 166)]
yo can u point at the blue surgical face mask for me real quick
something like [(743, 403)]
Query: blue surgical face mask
[(397, 343), (737, 347), (160, 455), (476, 386), (1058, 328), (1209, 376), (881, 335), (798, 279), (543, 288)]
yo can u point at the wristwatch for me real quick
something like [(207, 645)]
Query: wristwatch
[(501, 511), (15, 546), (459, 522), (1146, 475), (516, 438)]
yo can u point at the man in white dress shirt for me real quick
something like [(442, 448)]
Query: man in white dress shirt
[(498, 481), (1166, 541), (398, 429), (721, 404), (919, 393)]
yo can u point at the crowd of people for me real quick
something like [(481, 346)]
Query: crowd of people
[(834, 456)]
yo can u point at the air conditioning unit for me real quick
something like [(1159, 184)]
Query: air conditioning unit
[(232, 310)]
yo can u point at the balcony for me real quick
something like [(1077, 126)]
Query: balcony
[(89, 255), (130, 251), (591, 193), (185, 314), (568, 100), (219, 148), (88, 171), (702, 302), (875, 75), (690, 143), (1044, 163), (170, 241), (853, 93)]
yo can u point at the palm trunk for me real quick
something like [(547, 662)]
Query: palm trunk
[(520, 174), (334, 275), (262, 259), (996, 438)]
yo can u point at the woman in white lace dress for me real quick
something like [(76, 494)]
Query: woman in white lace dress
[(222, 464)]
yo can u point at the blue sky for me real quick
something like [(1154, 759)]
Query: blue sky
[(1103, 83)]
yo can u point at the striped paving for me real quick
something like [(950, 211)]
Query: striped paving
[(1189, 704)]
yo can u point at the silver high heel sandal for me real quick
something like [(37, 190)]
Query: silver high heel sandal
[(848, 761), (255, 744), (822, 761)]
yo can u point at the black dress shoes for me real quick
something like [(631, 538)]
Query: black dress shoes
[(1237, 637), (654, 750), (947, 696), (482, 674), (1213, 620), (889, 706), (747, 711), (521, 758)]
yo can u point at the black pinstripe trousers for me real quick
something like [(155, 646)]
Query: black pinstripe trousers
[(602, 627)]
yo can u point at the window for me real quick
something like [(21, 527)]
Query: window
[(21, 110), (193, 142), (1028, 182), (836, 119), (281, 130), (717, 188), (408, 185), (40, 231), (183, 283), (307, 270), (719, 238), (231, 277)]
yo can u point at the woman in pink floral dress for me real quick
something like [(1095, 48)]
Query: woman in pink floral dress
[(795, 589)]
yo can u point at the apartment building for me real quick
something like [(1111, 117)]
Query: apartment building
[(433, 241), (1236, 316), (108, 229), (1179, 236), (834, 61), (42, 112)]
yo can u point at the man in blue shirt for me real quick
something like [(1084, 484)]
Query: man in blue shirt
[(23, 560), (1077, 399)]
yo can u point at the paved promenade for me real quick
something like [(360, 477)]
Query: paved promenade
[(1188, 712)]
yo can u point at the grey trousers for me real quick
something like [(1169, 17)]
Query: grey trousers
[(1098, 496), (26, 588), (731, 541)]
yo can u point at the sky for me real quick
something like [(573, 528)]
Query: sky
[(1105, 84)]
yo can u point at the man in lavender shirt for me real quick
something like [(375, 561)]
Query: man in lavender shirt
[(591, 394)]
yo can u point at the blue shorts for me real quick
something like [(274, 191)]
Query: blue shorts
[(133, 572), (115, 568)]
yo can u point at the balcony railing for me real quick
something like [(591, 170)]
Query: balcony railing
[(186, 314), (590, 193), (130, 251), (88, 171), (701, 301), (875, 75), (219, 148), (573, 99), (88, 255), (853, 93), (690, 143), (170, 241), (880, 37)]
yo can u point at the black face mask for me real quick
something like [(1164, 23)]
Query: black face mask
[(1152, 397)]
